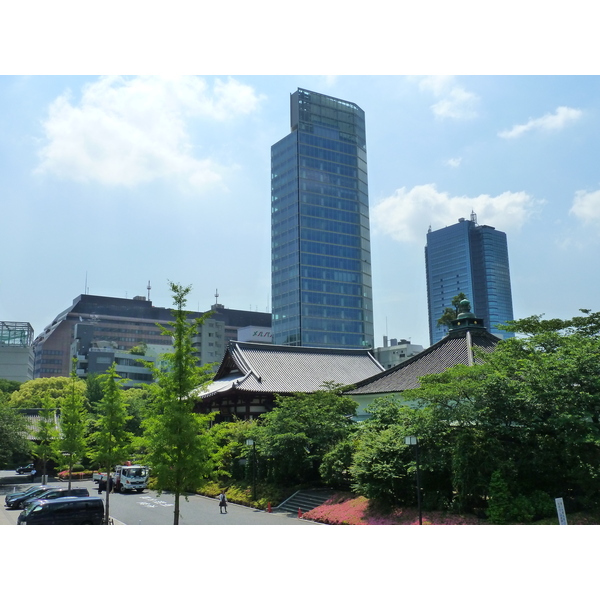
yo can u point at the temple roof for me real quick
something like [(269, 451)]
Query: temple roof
[(270, 369), (456, 348)]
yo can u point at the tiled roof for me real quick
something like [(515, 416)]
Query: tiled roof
[(448, 352), (265, 368)]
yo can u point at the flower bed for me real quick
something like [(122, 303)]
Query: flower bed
[(344, 510), (64, 475)]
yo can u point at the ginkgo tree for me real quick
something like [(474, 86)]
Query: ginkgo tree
[(180, 451)]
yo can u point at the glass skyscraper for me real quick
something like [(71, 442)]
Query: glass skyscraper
[(321, 249), (473, 259)]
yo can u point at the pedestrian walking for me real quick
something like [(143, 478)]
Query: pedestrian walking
[(222, 502), (33, 474)]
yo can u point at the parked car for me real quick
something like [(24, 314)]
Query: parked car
[(64, 511), (55, 493), (16, 499), (26, 469)]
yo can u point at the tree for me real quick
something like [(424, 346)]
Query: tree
[(46, 434), (13, 435), (32, 392), (382, 465), (111, 441), (450, 314), (73, 423), (7, 387), (230, 440), (301, 429), (93, 391), (179, 450), (530, 414)]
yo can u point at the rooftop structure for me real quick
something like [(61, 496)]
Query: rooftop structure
[(16, 351)]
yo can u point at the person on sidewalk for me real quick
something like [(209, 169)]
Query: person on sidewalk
[(222, 502)]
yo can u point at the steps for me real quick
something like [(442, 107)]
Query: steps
[(305, 500)]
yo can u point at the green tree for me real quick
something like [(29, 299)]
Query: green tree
[(111, 441), (46, 434), (382, 465), (13, 435), (230, 440), (180, 451), (32, 392), (301, 429), (93, 391), (530, 412), (7, 387), (73, 423), (450, 313)]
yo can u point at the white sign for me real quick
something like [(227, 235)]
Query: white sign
[(560, 509), (255, 334)]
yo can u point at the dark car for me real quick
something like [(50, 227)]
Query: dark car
[(64, 511), (15, 500), (26, 469), (55, 493)]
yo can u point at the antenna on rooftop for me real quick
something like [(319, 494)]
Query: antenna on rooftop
[(473, 216), (216, 296), (148, 288)]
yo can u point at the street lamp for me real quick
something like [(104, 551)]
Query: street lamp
[(412, 440), (253, 444)]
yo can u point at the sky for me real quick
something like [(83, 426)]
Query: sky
[(112, 182)]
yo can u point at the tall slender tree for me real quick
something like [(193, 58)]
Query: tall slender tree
[(46, 434), (73, 424), (179, 450), (111, 442)]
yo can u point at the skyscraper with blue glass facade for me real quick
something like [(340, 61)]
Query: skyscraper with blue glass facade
[(473, 259), (321, 250)]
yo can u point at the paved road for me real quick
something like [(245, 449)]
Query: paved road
[(151, 509)]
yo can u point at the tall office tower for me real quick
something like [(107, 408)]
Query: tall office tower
[(473, 259), (321, 249)]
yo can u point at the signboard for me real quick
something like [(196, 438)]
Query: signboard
[(560, 509), (255, 334)]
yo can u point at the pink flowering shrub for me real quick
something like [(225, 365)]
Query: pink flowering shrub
[(345, 510)]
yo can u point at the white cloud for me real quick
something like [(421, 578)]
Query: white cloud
[(454, 162), (127, 131), (549, 122), (407, 214), (586, 206), (455, 102)]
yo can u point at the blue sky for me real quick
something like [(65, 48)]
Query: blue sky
[(118, 181)]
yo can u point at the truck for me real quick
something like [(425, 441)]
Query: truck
[(131, 477), (124, 478)]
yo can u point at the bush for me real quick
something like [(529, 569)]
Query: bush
[(64, 475), (499, 503)]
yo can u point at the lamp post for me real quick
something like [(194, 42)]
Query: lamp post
[(253, 444), (412, 440)]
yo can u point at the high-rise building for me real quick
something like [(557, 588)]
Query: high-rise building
[(472, 259), (321, 250)]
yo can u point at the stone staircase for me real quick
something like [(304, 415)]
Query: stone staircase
[(305, 500)]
